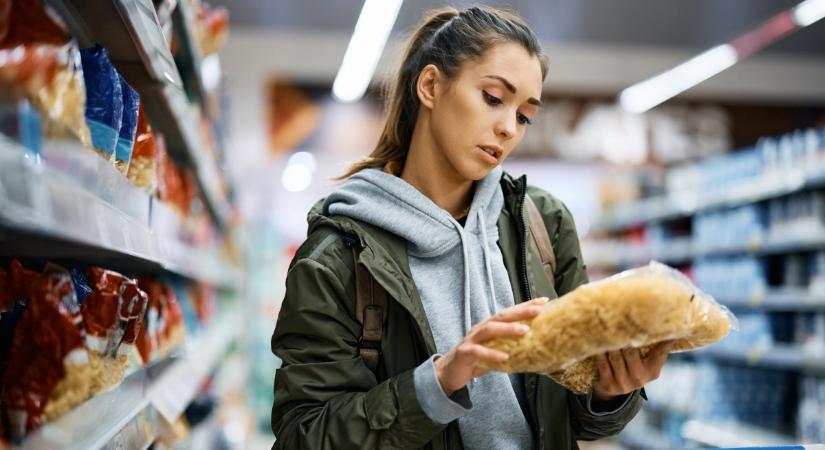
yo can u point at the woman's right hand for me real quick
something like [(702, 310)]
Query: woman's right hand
[(460, 365)]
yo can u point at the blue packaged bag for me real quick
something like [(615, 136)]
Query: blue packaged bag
[(128, 126), (104, 99)]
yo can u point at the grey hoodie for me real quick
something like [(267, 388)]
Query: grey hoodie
[(461, 279)]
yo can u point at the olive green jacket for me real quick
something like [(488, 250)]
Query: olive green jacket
[(327, 398)]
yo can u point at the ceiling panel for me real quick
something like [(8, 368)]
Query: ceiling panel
[(682, 23)]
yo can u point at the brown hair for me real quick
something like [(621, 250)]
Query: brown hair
[(446, 38)]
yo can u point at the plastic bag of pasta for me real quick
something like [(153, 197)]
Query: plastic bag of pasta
[(113, 315), (636, 308), (47, 371)]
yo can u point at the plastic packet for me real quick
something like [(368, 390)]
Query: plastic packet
[(113, 314), (174, 330), (148, 341), (47, 77), (28, 23), (47, 371), (636, 308), (128, 126), (143, 170), (104, 100), (171, 189), (212, 26)]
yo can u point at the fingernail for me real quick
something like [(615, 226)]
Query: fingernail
[(523, 328), (542, 300)]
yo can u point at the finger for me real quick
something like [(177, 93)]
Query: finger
[(472, 353), (619, 368), (605, 372), (636, 371), (657, 358), (490, 330), (522, 311)]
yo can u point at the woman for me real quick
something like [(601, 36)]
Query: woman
[(426, 210)]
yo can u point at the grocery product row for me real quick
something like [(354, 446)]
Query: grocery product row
[(776, 166), (60, 104), (72, 332), (698, 402), (58, 87), (118, 265)]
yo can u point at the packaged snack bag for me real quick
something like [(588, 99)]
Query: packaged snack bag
[(27, 22), (128, 126), (47, 370), (143, 170), (174, 330), (112, 314), (104, 100), (636, 308)]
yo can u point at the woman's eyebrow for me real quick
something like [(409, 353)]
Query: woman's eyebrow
[(510, 87)]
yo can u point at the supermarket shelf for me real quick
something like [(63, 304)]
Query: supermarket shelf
[(77, 206), (130, 31), (615, 253), (732, 435), (776, 243), (779, 356), (184, 17), (686, 203), (784, 299), (126, 416)]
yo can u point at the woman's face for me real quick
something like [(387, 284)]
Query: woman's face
[(480, 116)]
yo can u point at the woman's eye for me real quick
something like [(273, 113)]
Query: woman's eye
[(491, 100), (524, 120)]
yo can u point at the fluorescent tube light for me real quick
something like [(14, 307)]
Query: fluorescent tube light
[(808, 12), (651, 92), (365, 48)]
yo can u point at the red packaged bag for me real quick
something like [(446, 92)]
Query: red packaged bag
[(148, 342), (47, 371), (26, 22), (6, 299), (173, 331), (144, 171), (112, 314)]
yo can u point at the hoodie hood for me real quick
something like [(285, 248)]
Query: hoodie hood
[(388, 202)]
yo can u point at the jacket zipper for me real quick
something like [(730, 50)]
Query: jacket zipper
[(525, 283)]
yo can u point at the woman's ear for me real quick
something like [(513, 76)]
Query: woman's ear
[(427, 85)]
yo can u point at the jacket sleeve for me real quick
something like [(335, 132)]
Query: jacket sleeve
[(571, 273), (325, 396)]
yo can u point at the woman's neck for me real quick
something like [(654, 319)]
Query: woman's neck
[(429, 171)]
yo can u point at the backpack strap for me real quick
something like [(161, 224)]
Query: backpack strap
[(370, 311), (541, 239)]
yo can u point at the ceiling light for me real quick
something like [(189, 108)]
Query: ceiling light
[(808, 12), (649, 93), (365, 48)]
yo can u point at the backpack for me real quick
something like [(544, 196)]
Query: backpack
[(371, 298)]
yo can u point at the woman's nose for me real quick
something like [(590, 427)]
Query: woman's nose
[(506, 127)]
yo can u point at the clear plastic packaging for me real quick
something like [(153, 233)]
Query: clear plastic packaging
[(113, 315), (636, 308), (47, 371)]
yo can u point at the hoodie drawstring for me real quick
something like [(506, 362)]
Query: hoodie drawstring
[(468, 321), (486, 252)]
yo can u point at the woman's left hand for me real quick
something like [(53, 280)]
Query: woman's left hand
[(624, 371)]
